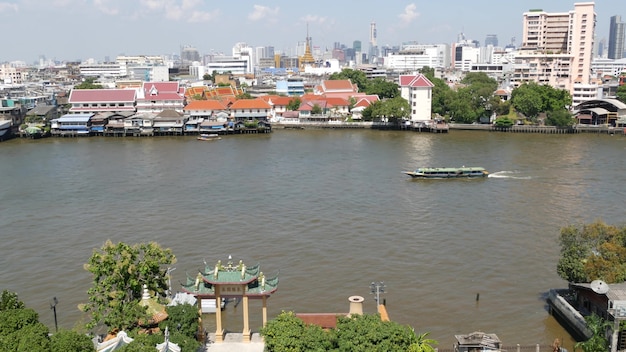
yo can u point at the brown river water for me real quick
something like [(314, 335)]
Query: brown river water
[(328, 209)]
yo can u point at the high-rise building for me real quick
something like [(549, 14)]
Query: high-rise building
[(557, 49), (491, 39), (616, 38), (356, 45), (373, 42)]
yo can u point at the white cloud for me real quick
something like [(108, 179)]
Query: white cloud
[(314, 19), (180, 9), (263, 13), (203, 16), (6, 6), (105, 7), (409, 14)]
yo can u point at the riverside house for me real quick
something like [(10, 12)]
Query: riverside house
[(91, 101)]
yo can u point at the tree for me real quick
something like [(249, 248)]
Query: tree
[(531, 98), (592, 251), (88, 83), (287, 332), (368, 333), (207, 77), (383, 88), (423, 344), (119, 272), (355, 76), (20, 330), (354, 333), (526, 99), (70, 341), (9, 300), (621, 93), (294, 104), (597, 342), (182, 318), (316, 110), (428, 71), (560, 118)]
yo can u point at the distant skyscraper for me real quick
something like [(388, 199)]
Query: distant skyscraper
[(373, 41), (616, 38), (356, 45), (491, 39)]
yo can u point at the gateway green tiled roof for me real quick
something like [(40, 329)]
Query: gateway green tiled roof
[(256, 283)]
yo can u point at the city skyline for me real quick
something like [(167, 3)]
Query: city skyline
[(68, 30)]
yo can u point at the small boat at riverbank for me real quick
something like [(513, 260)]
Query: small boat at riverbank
[(448, 172), (209, 137)]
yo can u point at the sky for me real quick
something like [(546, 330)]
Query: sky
[(70, 30)]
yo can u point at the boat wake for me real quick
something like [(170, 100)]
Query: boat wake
[(509, 174)]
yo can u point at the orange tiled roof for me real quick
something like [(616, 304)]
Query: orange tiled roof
[(205, 105), (250, 104), (338, 85)]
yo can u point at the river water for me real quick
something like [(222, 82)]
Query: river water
[(329, 209)]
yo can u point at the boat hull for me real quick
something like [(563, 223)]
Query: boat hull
[(442, 173)]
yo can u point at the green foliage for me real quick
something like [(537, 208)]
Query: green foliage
[(20, 330), (383, 88), (88, 83), (480, 83), (504, 122), (560, 118), (119, 271), (592, 251), (294, 104), (500, 107), (142, 343), (531, 98), (597, 342), (182, 318), (355, 76), (245, 95), (207, 77), (70, 341), (428, 71), (368, 333), (393, 109), (441, 96), (356, 333), (287, 332), (621, 93), (251, 124), (316, 110), (9, 300), (423, 344)]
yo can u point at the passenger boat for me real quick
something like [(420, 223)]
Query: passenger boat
[(209, 137), (448, 172)]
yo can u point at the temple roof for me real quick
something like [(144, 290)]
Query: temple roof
[(256, 283)]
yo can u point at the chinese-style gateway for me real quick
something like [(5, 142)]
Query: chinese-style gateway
[(231, 281)]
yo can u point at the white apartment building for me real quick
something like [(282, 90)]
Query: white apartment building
[(610, 67), (413, 57), (10, 75), (557, 49), (465, 56)]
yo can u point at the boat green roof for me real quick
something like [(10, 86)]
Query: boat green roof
[(448, 169)]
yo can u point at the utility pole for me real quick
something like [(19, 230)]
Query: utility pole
[(377, 288), (53, 306)]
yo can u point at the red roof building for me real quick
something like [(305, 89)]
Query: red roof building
[(101, 100), (159, 96), (417, 90)]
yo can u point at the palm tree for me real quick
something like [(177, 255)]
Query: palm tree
[(423, 344), (597, 342)]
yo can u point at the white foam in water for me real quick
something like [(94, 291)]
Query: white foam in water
[(509, 174)]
